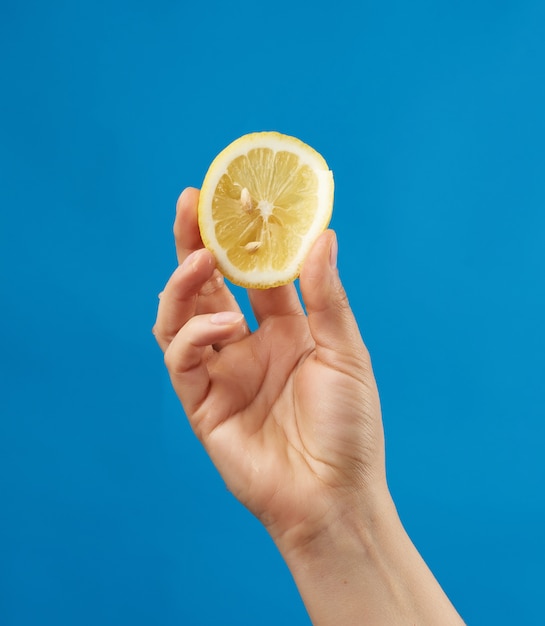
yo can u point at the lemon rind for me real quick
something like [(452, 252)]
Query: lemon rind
[(257, 279)]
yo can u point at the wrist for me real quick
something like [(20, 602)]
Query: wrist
[(358, 566), (346, 523)]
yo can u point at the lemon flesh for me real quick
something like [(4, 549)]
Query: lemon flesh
[(265, 199)]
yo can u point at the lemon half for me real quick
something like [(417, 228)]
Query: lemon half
[(264, 200)]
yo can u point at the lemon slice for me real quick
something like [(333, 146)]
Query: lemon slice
[(264, 200)]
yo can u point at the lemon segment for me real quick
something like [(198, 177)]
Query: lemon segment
[(264, 200)]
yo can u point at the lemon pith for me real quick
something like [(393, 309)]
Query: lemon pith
[(264, 200)]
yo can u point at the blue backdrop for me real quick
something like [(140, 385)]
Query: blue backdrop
[(431, 115)]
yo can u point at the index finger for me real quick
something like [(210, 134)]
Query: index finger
[(186, 226), (214, 295)]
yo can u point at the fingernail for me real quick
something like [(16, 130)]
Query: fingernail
[(224, 318), (333, 252), (189, 259)]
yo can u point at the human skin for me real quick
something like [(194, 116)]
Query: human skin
[(290, 416)]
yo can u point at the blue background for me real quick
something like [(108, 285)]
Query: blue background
[(431, 115)]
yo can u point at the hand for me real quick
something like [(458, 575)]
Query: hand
[(289, 414)]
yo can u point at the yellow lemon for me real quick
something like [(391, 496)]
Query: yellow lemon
[(264, 201)]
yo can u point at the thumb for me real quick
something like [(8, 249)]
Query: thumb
[(331, 321)]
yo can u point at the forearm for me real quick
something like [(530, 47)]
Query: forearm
[(363, 569)]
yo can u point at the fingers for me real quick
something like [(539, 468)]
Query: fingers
[(186, 227), (275, 302), (331, 321), (215, 295), (189, 352), (179, 298)]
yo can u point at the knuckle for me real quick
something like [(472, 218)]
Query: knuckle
[(213, 284), (341, 299), (162, 340), (157, 333)]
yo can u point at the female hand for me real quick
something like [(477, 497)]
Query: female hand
[(290, 416), (290, 413)]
